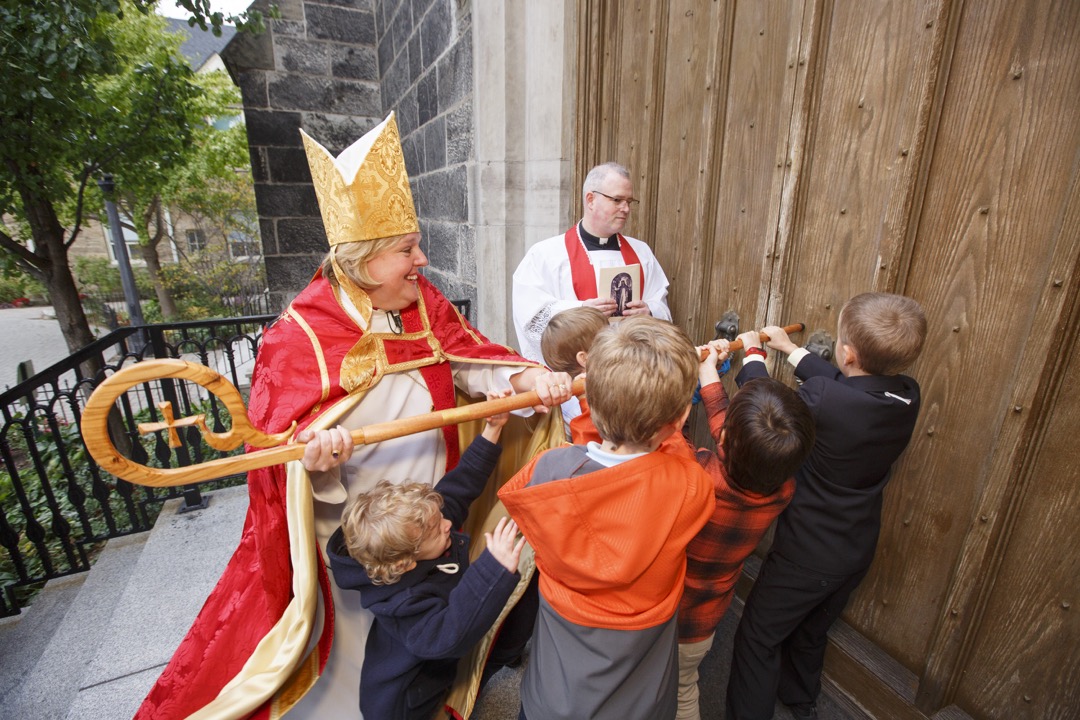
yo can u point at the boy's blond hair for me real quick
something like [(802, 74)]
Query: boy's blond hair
[(886, 330), (641, 376), (384, 528), (568, 333)]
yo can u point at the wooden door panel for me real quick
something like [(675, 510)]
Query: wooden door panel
[(1027, 667), (767, 43), (872, 67), (990, 235), (620, 96), (687, 160), (930, 148)]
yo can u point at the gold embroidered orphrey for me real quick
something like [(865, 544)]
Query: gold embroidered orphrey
[(376, 202)]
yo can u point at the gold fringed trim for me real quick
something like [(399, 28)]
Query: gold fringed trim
[(297, 685)]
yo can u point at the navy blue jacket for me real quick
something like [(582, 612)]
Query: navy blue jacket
[(430, 617), (862, 423)]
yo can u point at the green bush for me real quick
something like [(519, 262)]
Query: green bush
[(19, 285), (100, 276)]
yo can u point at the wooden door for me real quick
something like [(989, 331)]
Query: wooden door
[(792, 154)]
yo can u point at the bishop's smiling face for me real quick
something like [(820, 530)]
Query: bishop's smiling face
[(396, 271)]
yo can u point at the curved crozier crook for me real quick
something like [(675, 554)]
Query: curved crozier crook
[(95, 425)]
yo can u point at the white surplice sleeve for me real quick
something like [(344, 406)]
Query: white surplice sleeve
[(539, 292)]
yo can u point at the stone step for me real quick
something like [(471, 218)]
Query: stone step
[(25, 636), (53, 646), (184, 556)]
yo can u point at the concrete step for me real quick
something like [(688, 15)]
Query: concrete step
[(25, 636), (55, 643), (181, 562)]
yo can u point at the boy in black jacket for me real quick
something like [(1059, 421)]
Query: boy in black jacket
[(397, 547), (864, 413)]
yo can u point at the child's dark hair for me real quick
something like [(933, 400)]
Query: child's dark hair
[(568, 333), (768, 433)]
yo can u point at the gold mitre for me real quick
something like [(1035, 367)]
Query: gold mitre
[(363, 194)]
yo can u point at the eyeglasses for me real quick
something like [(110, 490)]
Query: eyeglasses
[(629, 202)]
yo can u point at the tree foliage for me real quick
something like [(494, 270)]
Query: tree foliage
[(201, 15), (90, 86)]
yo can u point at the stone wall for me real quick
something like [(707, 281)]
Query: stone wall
[(336, 68), (315, 68), (426, 68)]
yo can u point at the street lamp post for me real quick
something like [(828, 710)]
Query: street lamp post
[(127, 277)]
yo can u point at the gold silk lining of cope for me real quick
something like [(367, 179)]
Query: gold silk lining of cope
[(377, 203), (296, 686)]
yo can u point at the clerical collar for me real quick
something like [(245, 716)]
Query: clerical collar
[(591, 242)]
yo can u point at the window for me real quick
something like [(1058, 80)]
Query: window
[(243, 238), (196, 240), (242, 246), (131, 239)]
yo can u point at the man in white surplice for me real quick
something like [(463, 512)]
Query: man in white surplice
[(562, 272)]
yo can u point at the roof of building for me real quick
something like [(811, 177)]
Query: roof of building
[(199, 45)]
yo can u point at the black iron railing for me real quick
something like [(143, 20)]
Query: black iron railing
[(56, 506)]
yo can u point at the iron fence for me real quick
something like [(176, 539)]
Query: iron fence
[(57, 507)]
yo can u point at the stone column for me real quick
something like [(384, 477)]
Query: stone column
[(524, 99)]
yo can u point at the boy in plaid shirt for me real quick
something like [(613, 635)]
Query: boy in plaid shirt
[(761, 439)]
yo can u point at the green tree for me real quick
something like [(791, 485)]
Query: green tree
[(82, 95), (248, 21), (208, 178), (73, 106)]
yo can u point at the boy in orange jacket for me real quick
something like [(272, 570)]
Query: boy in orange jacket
[(609, 523)]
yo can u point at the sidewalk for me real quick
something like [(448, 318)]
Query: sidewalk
[(30, 336)]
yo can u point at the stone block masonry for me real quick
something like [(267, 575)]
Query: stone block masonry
[(336, 68)]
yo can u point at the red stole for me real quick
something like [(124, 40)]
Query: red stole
[(581, 270)]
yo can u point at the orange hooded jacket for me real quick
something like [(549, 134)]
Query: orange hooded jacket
[(611, 544)]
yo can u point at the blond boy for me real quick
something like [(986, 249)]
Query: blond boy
[(609, 523)]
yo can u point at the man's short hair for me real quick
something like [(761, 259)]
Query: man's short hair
[(568, 333), (384, 528), (641, 376), (598, 174), (886, 330), (768, 432)]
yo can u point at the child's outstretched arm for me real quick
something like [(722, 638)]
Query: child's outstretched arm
[(504, 544), (779, 340), (718, 353), (753, 359), (493, 425)]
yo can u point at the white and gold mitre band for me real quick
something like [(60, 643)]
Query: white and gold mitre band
[(364, 193)]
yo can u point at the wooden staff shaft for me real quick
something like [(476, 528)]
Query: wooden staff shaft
[(95, 431), (222, 467), (737, 344)]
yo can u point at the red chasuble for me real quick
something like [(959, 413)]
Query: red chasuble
[(310, 357)]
